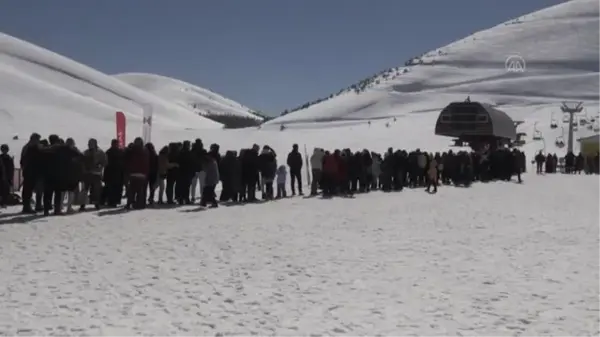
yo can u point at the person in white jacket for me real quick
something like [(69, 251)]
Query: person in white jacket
[(316, 164)]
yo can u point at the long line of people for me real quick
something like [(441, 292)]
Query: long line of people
[(55, 169)]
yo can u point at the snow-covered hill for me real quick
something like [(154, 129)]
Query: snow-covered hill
[(48, 93), (558, 44), (203, 101)]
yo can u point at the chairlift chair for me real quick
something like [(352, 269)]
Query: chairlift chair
[(590, 127), (583, 121), (537, 135), (553, 122), (560, 142), (565, 119), (575, 126), (596, 128)]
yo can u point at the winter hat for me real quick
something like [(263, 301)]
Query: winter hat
[(53, 139), (35, 136)]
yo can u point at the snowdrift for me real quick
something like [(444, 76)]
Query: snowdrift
[(203, 101), (48, 93), (559, 47)]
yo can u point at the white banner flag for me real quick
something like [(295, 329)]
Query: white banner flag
[(147, 124)]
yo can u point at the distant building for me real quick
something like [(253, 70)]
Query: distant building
[(589, 145)]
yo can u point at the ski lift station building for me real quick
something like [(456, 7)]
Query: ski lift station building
[(589, 145), (476, 123)]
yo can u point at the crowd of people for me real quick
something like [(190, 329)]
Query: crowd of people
[(572, 164), (54, 169)]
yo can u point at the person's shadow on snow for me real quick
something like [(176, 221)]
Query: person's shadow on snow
[(194, 210), (11, 219), (114, 211)]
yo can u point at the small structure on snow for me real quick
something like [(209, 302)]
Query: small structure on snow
[(589, 145), (475, 123)]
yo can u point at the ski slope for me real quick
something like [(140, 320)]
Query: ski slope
[(48, 93), (380, 264), (203, 101), (559, 45)]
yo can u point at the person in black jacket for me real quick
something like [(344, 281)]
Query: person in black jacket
[(7, 174), (53, 176), (152, 172), (250, 171), (268, 167), (185, 174), (172, 172), (114, 174), (31, 169), (3, 185), (365, 175), (226, 173), (75, 175), (294, 161), (59, 174)]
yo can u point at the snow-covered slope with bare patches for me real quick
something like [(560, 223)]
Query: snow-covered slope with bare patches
[(45, 92), (559, 45), (203, 101)]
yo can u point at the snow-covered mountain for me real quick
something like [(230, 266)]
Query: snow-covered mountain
[(45, 92), (559, 47), (48, 93), (203, 101)]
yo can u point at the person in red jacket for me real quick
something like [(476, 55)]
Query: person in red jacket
[(138, 168)]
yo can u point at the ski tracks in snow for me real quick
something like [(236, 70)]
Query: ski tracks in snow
[(498, 259)]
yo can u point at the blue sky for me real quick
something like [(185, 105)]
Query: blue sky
[(268, 54)]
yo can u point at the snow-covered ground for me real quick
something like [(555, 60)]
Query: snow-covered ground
[(505, 259), (559, 46), (187, 95)]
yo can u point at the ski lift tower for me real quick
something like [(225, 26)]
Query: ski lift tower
[(571, 108)]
